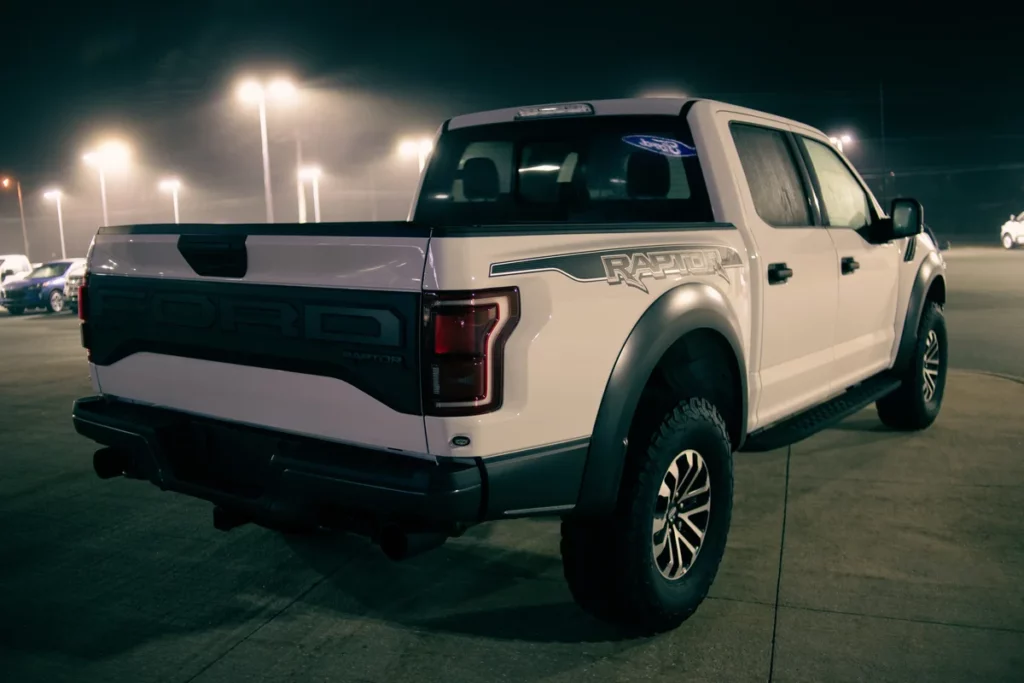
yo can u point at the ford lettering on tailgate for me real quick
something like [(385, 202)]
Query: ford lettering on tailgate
[(362, 337)]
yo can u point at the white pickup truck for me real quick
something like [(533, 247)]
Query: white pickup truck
[(592, 307), (1011, 234)]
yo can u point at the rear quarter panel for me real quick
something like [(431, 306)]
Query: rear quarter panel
[(572, 324)]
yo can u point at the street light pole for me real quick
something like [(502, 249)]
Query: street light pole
[(312, 173), (103, 196), (268, 197), (60, 226), (57, 195), (111, 154), (316, 198), (21, 210), (172, 185), (5, 184), (298, 180), (253, 91)]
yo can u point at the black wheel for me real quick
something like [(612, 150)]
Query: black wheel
[(650, 564), (15, 311), (55, 303), (917, 401)]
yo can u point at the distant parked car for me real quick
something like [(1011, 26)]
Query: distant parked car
[(74, 280), (13, 266), (43, 287), (1012, 232)]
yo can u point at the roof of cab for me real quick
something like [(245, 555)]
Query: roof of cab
[(634, 106), (670, 106)]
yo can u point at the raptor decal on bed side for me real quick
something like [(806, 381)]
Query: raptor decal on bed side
[(632, 265)]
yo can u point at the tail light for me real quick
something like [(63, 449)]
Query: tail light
[(463, 348), (83, 301), (83, 314)]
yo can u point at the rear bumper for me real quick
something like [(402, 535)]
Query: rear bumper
[(268, 474)]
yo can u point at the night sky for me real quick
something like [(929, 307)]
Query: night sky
[(949, 86)]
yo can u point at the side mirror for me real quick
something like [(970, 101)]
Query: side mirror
[(6, 274), (907, 217)]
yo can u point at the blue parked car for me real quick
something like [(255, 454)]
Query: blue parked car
[(41, 288)]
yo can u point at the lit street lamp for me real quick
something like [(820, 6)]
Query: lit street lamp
[(255, 92), (108, 156), (840, 140), (5, 183), (56, 196), (312, 173), (172, 185), (418, 148)]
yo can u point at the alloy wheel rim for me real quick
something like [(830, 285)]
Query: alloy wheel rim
[(681, 515), (1007, 241), (930, 367), (57, 302)]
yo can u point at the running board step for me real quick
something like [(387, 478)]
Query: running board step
[(813, 420)]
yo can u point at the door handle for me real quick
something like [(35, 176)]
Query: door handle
[(779, 273), (849, 265)]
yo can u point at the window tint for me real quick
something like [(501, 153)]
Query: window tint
[(843, 199), (606, 169), (771, 171)]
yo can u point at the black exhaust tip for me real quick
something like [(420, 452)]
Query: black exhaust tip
[(226, 520), (399, 544), (109, 463)]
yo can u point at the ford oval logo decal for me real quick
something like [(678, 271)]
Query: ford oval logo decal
[(664, 146)]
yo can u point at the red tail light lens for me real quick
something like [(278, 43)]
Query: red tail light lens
[(83, 300), (463, 349)]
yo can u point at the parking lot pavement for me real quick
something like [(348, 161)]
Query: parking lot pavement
[(857, 555)]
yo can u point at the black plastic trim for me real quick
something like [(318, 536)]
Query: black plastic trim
[(535, 482), (681, 310), (367, 229), (296, 476), (215, 255), (366, 338), (809, 422), (931, 269)]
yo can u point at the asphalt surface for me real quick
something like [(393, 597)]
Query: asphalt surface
[(858, 555), (985, 309)]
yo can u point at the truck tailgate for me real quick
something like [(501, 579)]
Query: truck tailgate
[(305, 329)]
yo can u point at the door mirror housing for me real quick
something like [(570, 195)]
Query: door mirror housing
[(6, 274), (906, 219)]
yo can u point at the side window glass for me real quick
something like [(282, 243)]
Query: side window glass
[(845, 202), (772, 174)]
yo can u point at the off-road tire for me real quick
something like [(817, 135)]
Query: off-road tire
[(609, 563), (909, 407)]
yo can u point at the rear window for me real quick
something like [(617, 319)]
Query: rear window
[(602, 169)]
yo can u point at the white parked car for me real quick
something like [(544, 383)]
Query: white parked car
[(593, 306), (13, 267), (1012, 232)]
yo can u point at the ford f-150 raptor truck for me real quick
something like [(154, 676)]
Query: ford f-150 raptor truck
[(591, 307)]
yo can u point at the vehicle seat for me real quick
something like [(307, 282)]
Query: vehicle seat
[(647, 176), (480, 181)]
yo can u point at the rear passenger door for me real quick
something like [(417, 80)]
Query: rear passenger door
[(868, 272), (796, 269)]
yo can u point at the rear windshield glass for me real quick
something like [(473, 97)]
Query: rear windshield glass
[(602, 169)]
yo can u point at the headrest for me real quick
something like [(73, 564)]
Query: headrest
[(647, 175), (480, 179)]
